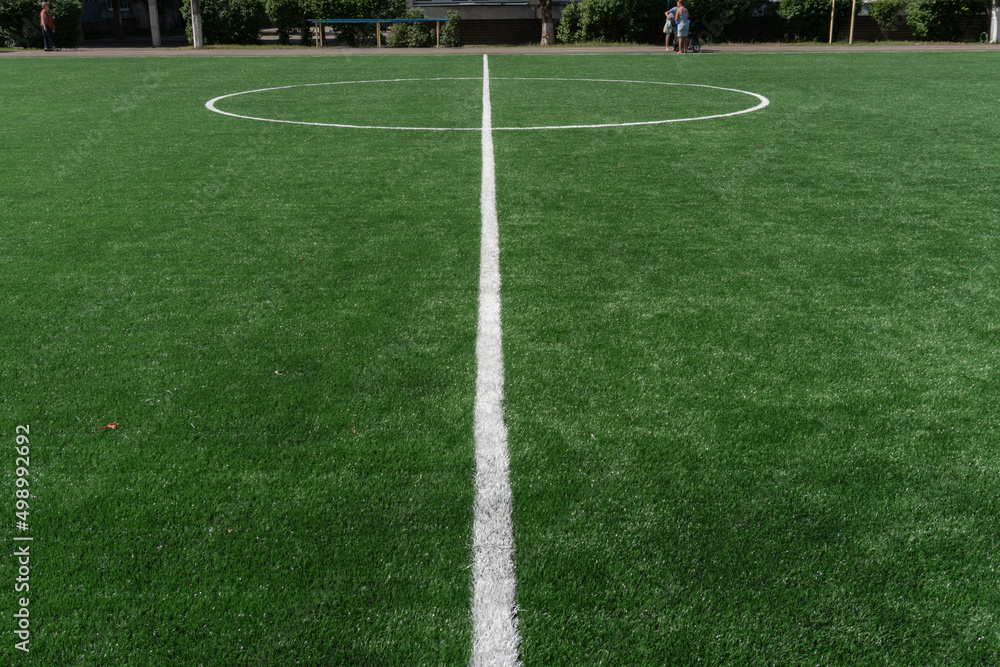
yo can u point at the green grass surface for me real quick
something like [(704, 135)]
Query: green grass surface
[(283, 328), (752, 394), (751, 361)]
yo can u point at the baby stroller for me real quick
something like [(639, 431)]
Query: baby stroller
[(693, 45)]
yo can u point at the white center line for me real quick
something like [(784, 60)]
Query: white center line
[(495, 640)]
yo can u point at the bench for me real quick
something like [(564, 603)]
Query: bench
[(320, 25)]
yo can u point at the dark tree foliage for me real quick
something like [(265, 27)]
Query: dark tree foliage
[(642, 20), (227, 21), (885, 13), (287, 16), (356, 9), (568, 30), (410, 34), (940, 19), (20, 23), (451, 33), (810, 19), (714, 20)]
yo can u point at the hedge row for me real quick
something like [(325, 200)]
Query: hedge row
[(642, 20), (239, 21), (928, 19)]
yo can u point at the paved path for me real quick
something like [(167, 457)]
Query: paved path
[(131, 50)]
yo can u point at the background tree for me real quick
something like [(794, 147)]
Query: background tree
[(411, 34), (227, 21), (543, 9), (810, 19), (714, 20), (940, 19), (451, 33), (599, 20), (568, 31), (885, 13), (354, 35), (641, 21), (993, 12), (19, 24), (67, 15), (287, 16)]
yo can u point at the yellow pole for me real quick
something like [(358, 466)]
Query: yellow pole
[(833, 8), (850, 39)]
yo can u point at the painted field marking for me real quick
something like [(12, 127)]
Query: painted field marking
[(761, 103), (495, 638)]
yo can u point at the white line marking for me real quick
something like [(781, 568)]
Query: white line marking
[(762, 102), (495, 639), (211, 105)]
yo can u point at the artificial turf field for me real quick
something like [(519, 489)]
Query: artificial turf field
[(751, 361)]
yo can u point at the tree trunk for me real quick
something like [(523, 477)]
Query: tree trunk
[(995, 23), (116, 5), (196, 33), (307, 32), (548, 33), (154, 23)]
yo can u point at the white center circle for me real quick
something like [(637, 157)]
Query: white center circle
[(761, 103)]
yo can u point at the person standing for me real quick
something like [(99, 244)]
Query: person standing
[(670, 26), (683, 20), (48, 28)]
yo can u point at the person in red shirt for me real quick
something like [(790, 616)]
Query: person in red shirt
[(48, 28)]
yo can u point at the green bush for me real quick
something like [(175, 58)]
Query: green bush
[(355, 35), (67, 15), (621, 20), (599, 20), (411, 34), (940, 19), (451, 33), (20, 23), (287, 16), (357, 9), (568, 30), (885, 13), (419, 34), (227, 21), (713, 20), (397, 32), (642, 20)]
